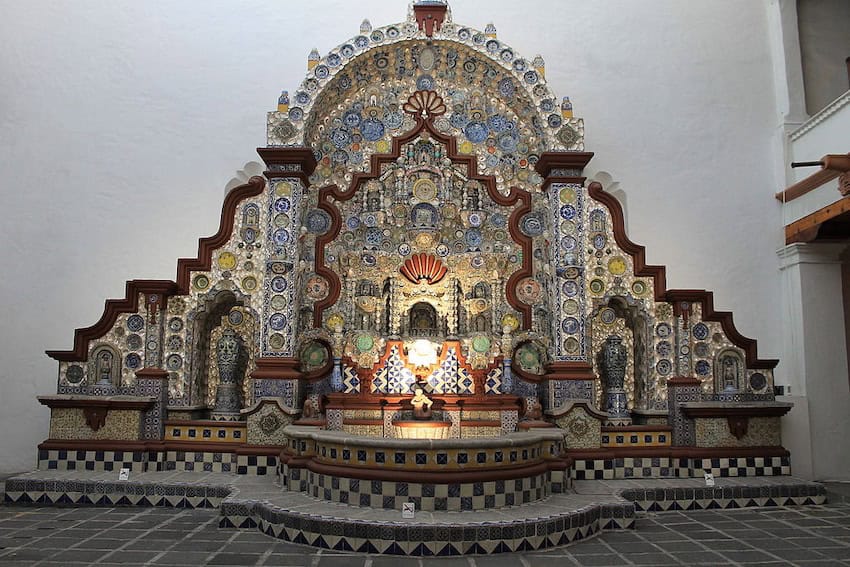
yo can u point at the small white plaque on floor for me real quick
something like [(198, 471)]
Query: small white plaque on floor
[(408, 509), (709, 479), (124, 474)]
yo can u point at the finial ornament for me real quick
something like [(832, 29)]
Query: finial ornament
[(313, 59)]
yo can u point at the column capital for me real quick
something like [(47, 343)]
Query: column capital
[(811, 253), (562, 167), (284, 162)]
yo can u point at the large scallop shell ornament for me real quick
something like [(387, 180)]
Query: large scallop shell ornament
[(425, 104), (423, 268)]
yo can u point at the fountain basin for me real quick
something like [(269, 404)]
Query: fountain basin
[(421, 429), (434, 474)]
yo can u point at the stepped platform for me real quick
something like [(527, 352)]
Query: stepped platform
[(259, 503)]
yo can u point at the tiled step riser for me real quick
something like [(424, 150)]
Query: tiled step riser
[(144, 461), (422, 540), (664, 467), (428, 497), (79, 493), (724, 498)]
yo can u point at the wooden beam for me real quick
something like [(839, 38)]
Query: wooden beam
[(806, 229), (833, 166)]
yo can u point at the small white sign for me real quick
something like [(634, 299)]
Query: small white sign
[(124, 474), (407, 510), (709, 479)]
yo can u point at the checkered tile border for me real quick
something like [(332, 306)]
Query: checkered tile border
[(80, 460), (428, 496), (659, 467), (140, 461), (469, 538)]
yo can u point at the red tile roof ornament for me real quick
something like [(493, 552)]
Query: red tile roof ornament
[(429, 16)]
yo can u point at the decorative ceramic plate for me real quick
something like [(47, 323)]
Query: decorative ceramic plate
[(277, 321), (571, 307), (235, 317), (279, 284), (424, 190), (599, 241), (597, 286), (701, 349), (567, 195), (571, 345), (364, 343), (174, 362), (276, 341), (510, 321), (74, 374), (133, 360), (317, 288), (529, 290), (663, 367), (282, 205), (570, 325), (278, 302), (135, 323), (758, 381), (617, 265), (607, 316), (481, 344), (249, 283), (570, 288), (639, 287), (280, 236), (134, 341), (663, 330), (663, 348), (567, 212), (702, 367), (175, 342), (700, 331)]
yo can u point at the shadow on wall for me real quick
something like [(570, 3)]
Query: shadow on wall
[(613, 187), (249, 170)]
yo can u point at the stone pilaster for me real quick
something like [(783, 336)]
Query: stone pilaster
[(276, 374), (570, 376), (680, 390), (153, 382)]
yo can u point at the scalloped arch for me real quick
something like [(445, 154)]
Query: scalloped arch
[(321, 78)]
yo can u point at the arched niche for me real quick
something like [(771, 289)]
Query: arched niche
[(220, 309)]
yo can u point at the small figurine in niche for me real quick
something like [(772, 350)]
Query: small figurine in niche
[(105, 367), (421, 403), (310, 410)]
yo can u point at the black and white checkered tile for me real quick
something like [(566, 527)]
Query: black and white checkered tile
[(663, 467), (82, 460), (428, 496), (141, 461)]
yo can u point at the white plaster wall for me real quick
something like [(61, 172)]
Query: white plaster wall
[(121, 122)]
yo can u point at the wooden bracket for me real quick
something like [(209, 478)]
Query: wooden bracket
[(738, 425), (95, 417)]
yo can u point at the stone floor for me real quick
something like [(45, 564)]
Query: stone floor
[(802, 535)]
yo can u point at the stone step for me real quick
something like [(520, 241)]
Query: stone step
[(257, 502)]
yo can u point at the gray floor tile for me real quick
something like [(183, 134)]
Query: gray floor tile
[(698, 558), (226, 558)]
